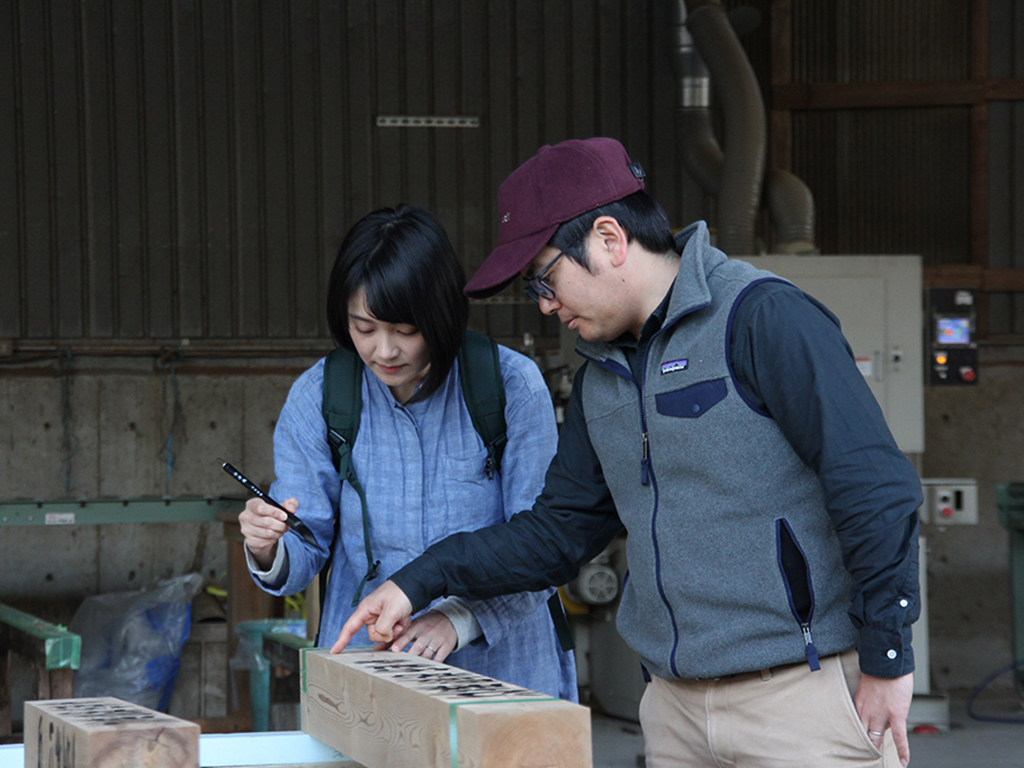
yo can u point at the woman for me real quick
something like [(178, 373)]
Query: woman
[(395, 298)]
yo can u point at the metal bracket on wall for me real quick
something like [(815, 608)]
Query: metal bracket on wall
[(426, 121), (104, 511)]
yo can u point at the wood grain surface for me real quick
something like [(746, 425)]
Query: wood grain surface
[(105, 732), (387, 709)]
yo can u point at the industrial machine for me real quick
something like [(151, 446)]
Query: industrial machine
[(952, 337)]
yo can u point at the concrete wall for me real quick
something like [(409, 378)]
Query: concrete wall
[(118, 416), (974, 432)]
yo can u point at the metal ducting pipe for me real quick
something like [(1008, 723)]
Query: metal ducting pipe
[(791, 207), (746, 132), (701, 31), (702, 155)]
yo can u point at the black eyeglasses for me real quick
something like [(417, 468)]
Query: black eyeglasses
[(536, 288)]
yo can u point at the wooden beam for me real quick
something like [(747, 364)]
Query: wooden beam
[(52, 651), (974, 276), (106, 733), (384, 709), (895, 94)]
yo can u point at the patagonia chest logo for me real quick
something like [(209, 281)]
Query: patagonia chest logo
[(675, 365)]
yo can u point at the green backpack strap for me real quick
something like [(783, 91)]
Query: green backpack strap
[(484, 392), (342, 403)]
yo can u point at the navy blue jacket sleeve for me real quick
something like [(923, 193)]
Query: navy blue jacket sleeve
[(572, 521), (792, 362)]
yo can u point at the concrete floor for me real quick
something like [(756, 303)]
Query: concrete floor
[(969, 743)]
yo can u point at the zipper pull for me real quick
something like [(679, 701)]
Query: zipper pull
[(810, 650), (645, 462)]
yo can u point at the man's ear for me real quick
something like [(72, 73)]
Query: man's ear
[(611, 238)]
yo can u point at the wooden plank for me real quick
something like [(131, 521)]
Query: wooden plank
[(383, 709), (895, 93), (106, 732), (973, 276)]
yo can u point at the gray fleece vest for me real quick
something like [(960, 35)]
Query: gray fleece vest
[(733, 562)]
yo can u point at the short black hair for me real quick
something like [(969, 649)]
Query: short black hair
[(402, 258), (639, 215)]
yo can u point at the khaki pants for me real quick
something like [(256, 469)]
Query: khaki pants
[(785, 717)]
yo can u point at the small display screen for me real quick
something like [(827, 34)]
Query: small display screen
[(953, 330)]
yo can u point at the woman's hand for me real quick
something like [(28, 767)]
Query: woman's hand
[(262, 526), (431, 636)]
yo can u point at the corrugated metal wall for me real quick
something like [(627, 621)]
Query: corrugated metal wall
[(1006, 166), (187, 168), (177, 168), (898, 180), (885, 180)]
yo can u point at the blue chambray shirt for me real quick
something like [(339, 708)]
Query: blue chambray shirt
[(422, 468)]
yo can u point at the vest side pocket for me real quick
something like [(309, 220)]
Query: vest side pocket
[(796, 576)]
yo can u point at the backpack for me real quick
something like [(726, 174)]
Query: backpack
[(484, 393)]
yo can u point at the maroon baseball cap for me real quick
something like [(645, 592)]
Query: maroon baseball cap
[(557, 184)]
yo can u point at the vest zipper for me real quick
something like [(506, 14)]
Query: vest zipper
[(809, 650), (645, 460)]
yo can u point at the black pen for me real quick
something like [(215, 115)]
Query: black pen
[(293, 522)]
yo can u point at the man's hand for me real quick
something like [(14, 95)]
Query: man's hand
[(883, 703), (382, 611)]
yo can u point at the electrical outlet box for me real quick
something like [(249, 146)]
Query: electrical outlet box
[(949, 501)]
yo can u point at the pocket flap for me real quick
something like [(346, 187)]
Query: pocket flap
[(693, 401)]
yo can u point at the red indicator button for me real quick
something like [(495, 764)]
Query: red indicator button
[(967, 373)]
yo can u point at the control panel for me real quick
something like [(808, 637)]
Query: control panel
[(949, 501), (953, 343)]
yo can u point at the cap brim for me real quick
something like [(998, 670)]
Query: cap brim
[(505, 262)]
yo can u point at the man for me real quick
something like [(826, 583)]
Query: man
[(721, 419)]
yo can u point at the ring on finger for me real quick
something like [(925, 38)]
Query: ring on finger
[(879, 734), (432, 649)]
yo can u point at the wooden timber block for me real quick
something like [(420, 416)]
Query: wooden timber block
[(105, 732), (385, 710)]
